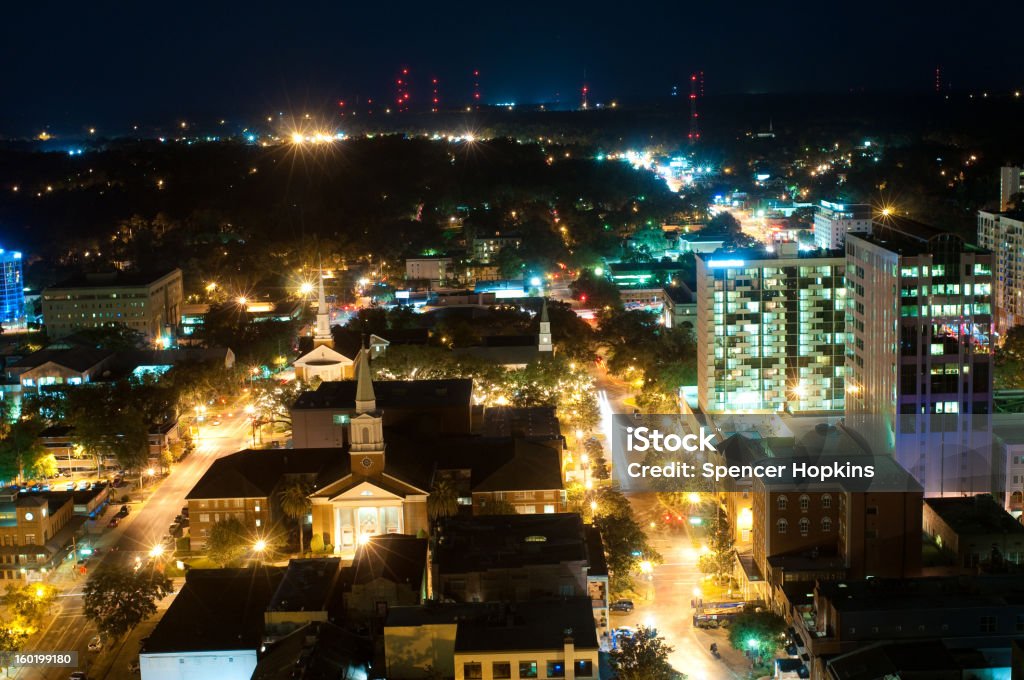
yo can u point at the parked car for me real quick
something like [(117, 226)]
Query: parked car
[(96, 643), (622, 606), (624, 632), (78, 675), (123, 512), (114, 521)]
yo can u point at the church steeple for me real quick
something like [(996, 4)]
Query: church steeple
[(323, 334), (366, 400), (544, 333)]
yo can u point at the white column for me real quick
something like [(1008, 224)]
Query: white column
[(337, 529)]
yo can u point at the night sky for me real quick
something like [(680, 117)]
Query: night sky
[(111, 64)]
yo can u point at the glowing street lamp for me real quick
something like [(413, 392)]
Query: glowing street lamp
[(156, 552), (364, 539), (306, 288), (693, 497), (259, 546)]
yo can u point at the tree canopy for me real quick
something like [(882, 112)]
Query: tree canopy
[(118, 599)]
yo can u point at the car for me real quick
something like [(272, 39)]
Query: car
[(96, 643), (133, 666), (114, 521), (622, 606), (123, 512), (624, 632), (216, 422), (78, 675)]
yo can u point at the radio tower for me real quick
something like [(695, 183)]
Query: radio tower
[(938, 78), (402, 91), (694, 129), (583, 99), (437, 100), (476, 88)]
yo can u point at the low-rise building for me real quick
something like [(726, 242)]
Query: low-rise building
[(976, 530), (387, 571), (544, 639), (35, 532), (434, 270), (680, 310), (517, 558), (147, 302), (213, 629), (486, 246), (306, 594)]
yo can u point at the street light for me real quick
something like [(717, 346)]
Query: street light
[(260, 546), (156, 551), (251, 411)]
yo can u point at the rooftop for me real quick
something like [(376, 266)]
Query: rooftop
[(394, 394), (216, 610), (77, 358), (316, 651), (909, 237), (925, 593), (256, 473), (307, 585), (974, 515), (480, 543), (395, 558), (113, 279), (534, 625)]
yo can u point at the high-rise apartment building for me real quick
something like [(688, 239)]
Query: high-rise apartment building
[(770, 330), (148, 303), (1011, 180), (1003, 234), (834, 220), (12, 287), (919, 353)]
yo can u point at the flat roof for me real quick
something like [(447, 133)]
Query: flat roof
[(216, 610), (395, 394), (975, 515), (484, 542), (113, 279), (307, 585)]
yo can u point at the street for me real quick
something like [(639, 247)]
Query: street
[(144, 527)]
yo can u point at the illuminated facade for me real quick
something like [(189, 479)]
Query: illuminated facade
[(919, 353), (149, 304), (833, 221), (1003, 234), (770, 331), (12, 287)]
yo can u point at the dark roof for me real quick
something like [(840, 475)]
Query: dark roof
[(307, 585), (542, 625), (400, 394), (681, 295), (533, 466), (395, 558), (595, 553), (316, 651), (514, 354), (172, 357), (480, 543), (536, 625), (903, 659), (975, 515), (256, 473), (76, 358), (526, 421), (216, 610), (57, 431), (924, 593), (109, 279), (909, 237)]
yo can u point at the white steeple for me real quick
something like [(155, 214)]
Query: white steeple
[(544, 333), (323, 317), (366, 400)]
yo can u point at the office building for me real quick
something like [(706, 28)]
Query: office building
[(919, 353), (770, 330), (12, 287), (1003, 234), (833, 221), (144, 302), (1011, 179)]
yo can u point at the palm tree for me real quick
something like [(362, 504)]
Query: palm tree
[(443, 500), (295, 503)]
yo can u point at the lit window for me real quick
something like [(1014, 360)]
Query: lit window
[(782, 526), (783, 502)]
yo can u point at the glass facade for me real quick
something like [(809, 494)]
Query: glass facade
[(12, 287)]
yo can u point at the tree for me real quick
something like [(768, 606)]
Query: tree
[(598, 463), (316, 544), (20, 450), (625, 543), (228, 541), (12, 639), (595, 291), (443, 501), (757, 631), (30, 603), (643, 656), (720, 559), (295, 503), (119, 598)]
